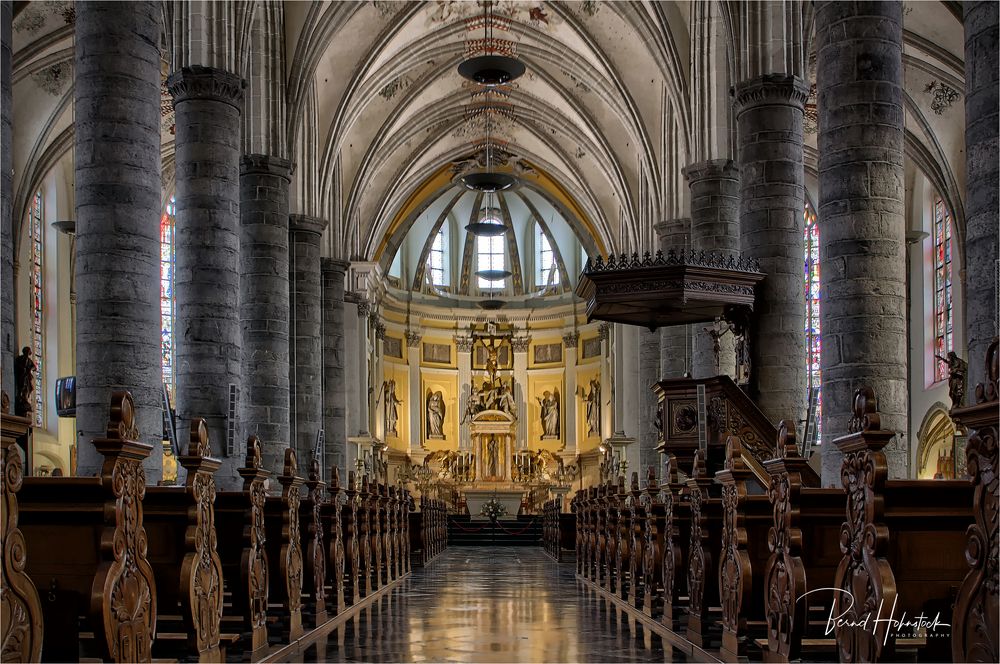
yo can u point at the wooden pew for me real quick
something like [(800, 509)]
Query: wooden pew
[(352, 552), (284, 549), (975, 632), (331, 516), (406, 509), (313, 545), (804, 545), (747, 518), (364, 539), (180, 527), (675, 497), (242, 537), (902, 544), (652, 547), (630, 587), (703, 552), (88, 549), (21, 629)]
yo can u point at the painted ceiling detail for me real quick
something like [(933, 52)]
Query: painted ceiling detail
[(55, 78), (942, 96)]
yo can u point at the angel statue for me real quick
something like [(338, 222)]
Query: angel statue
[(435, 415)]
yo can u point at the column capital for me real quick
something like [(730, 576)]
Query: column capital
[(412, 339), (769, 90), (464, 344), (334, 266), (716, 169), (364, 308), (265, 164), (604, 331), (570, 339), (520, 344), (207, 83), (301, 223)]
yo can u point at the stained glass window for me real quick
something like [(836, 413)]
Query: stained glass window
[(438, 259), (943, 340), (37, 334), (813, 337), (546, 274), (167, 295)]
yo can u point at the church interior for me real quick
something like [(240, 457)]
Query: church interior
[(500, 330)]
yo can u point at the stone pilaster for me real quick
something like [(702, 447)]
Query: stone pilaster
[(416, 401), (571, 402), (463, 347), (305, 343), (207, 105), (861, 215), (264, 408), (362, 336), (519, 346), (117, 181), (334, 365), (7, 333), (982, 173), (674, 341), (715, 217), (769, 112)]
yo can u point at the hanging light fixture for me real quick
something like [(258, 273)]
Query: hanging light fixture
[(489, 71), (489, 223), (491, 68)]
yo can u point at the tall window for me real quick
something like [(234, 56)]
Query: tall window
[(813, 338), (943, 339), (167, 295), (438, 259), (546, 270), (37, 334), (490, 256)]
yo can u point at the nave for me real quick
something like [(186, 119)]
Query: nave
[(496, 604)]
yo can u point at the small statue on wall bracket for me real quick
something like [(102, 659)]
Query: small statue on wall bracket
[(24, 378), (958, 369)]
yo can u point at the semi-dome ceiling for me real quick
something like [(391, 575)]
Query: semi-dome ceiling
[(535, 255)]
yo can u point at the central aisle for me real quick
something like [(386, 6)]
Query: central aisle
[(497, 604)]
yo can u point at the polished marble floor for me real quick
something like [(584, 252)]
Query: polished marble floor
[(502, 604)]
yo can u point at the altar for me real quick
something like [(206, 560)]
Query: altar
[(509, 498)]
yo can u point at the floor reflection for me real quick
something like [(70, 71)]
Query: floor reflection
[(491, 605)]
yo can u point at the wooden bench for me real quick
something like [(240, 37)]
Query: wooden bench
[(182, 549), (676, 546), (87, 545), (22, 627), (242, 537), (330, 515), (976, 619), (314, 550), (284, 550)]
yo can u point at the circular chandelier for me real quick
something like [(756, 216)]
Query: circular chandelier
[(493, 275), (488, 224), (491, 68)]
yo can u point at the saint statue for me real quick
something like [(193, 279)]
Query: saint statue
[(473, 405), (435, 415), (549, 402), (594, 408), (392, 403), (24, 380), (492, 457)]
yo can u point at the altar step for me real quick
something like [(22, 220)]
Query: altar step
[(463, 530)]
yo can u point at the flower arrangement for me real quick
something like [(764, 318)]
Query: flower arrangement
[(493, 509)]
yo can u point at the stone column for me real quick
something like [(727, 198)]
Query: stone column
[(305, 345), (649, 373), (769, 112), (334, 365), (463, 347), (715, 208), (207, 103), (117, 173), (982, 208), (416, 398), (609, 355), (264, 408), (571, 341), (7, 332), (675, 348), (862, 226)]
